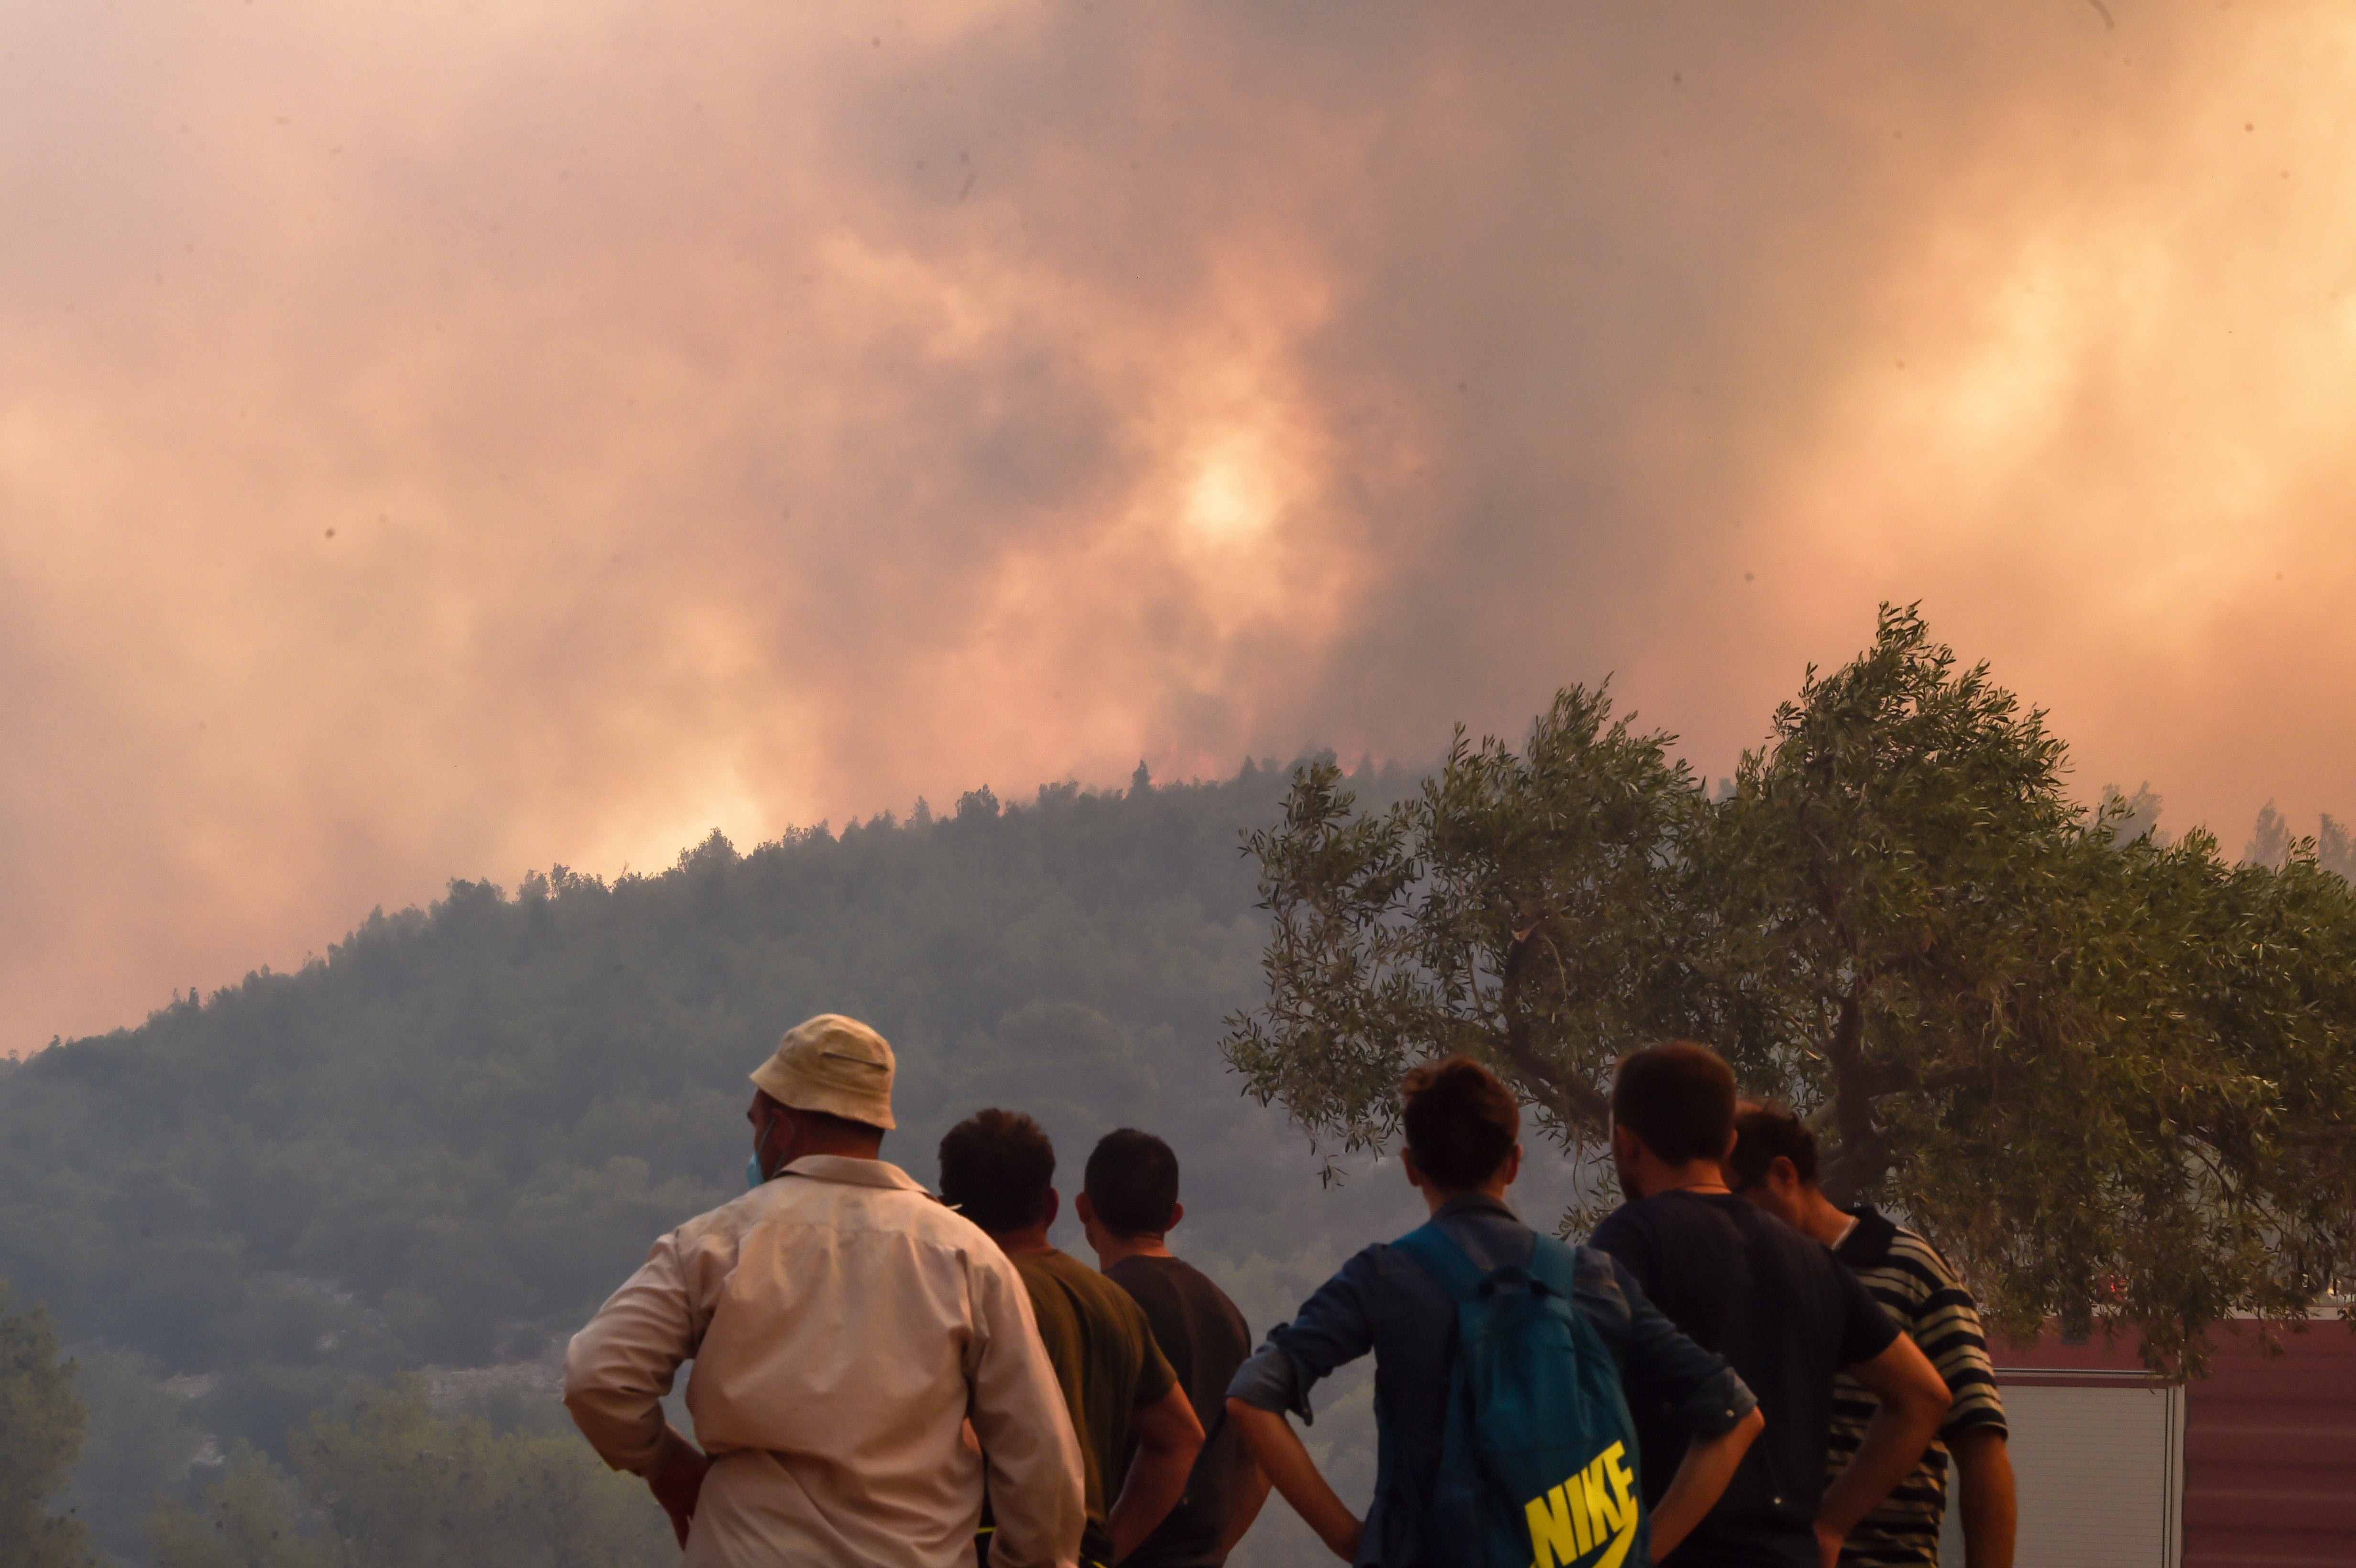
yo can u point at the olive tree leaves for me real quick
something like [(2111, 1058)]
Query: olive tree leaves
[(1508, 911), (2114, 1078)]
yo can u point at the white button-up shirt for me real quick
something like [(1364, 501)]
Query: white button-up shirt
[(843, 1326)]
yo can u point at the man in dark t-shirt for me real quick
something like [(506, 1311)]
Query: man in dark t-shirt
[(1776, 1304), (1127, 1206)]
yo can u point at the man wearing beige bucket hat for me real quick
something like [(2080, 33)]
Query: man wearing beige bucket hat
[(844, 1326)]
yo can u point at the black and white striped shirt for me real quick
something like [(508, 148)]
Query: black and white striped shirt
[(1926, 1299)]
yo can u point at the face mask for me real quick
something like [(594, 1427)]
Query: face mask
[(753, 1176)]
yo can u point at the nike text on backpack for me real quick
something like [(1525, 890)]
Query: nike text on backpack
[(1536, 1463)]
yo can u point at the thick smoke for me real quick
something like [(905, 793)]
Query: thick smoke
[(454, 441)]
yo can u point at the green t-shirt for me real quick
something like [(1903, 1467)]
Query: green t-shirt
[(1104, 1355)]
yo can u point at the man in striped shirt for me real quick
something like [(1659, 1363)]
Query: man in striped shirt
[(1774, 1165)]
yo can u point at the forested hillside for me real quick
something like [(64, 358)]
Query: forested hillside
[(440, 1144)]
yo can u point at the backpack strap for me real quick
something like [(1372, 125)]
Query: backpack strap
[(1441, 1258), (1554, 1265)]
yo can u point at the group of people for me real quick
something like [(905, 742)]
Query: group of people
[(884, 1375)]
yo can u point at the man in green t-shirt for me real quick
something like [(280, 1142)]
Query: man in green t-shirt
[(998, 1168)]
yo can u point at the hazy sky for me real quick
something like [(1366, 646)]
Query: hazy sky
[(445, 439)]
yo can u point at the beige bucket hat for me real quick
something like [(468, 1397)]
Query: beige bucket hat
[(833, 1064)]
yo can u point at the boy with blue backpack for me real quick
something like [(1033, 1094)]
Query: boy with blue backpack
[(1504, 1362)]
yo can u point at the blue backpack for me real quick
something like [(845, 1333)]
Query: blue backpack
[(1538, 1463)]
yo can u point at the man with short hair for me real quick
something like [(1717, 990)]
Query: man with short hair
[(1127, 1206), (1461, 1153), (1775, 1304), (844, 1327), (999, 1167), (1775, 1166)]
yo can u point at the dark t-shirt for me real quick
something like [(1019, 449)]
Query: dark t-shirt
[(1205, 1338), (1104, 1355), (1788, 1316)]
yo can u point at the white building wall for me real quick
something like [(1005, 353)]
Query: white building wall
[(2101, 1476)]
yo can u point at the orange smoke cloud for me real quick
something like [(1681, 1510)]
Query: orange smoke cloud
[(508, 434)]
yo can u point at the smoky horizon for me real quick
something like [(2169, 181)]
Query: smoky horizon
[(493, 436)]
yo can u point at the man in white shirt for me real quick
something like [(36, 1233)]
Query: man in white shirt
[(844, 1326)]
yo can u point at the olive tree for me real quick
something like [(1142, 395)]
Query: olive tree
[(2114, 1077)]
